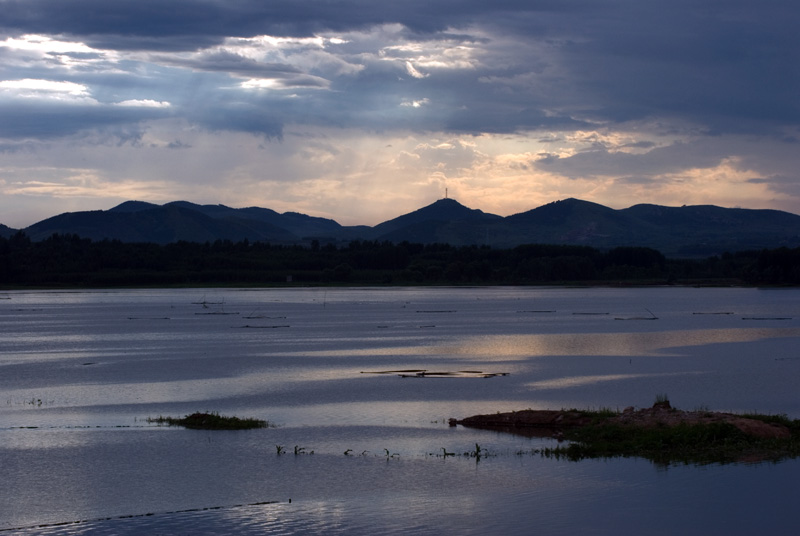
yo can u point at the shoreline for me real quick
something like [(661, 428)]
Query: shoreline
[(660, 433)]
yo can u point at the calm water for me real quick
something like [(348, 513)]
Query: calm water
[(80, 373)]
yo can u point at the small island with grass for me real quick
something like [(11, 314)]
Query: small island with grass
[(210, 421), (660, 433)]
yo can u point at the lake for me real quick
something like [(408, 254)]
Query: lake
[(356, 448)]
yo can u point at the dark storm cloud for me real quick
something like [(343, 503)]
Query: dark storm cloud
[(719, 63), (239, 66), (239, 117), (784, 184), (498, 119), (211, 21), (233, 64), (24, 120), (725, 66), (602, 162)]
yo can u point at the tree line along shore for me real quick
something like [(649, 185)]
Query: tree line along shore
[(67, 260)]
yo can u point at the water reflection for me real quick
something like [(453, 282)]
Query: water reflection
[(582, 381), (521, 347), (95, 369)]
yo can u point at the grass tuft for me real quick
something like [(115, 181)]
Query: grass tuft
[(210, 421), (718, 442)]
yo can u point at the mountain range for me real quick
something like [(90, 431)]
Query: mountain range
[(687, 231)]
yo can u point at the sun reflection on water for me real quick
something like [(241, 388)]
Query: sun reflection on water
[(581, 381), (520, 347)]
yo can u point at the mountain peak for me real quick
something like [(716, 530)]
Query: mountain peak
[(446, 209), (133, 206), (450, 209)]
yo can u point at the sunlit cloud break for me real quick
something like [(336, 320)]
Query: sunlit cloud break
[(145, 103), (30, 86)]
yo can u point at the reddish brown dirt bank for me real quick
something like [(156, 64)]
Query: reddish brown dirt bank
[(553, 422)]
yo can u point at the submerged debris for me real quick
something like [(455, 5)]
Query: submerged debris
[(423, 373), (248, 326)]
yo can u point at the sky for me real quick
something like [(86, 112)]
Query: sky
[(364, 110)]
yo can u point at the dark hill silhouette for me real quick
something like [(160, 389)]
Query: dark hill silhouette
[(710, 216), (133, 206), (573, 221), (160, 225), (690, 231), (698, 228), (441, 211), (6, 231), (299, 225), (557, 212)]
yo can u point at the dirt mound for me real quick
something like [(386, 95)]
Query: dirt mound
[(662, 414), (529, 418), (553, 422)]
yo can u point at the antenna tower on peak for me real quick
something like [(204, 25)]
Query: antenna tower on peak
[(445, 193)]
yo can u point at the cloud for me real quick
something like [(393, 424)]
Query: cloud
[(45, 45), (413, 71), (125, 22), (45, 89), (510, 103), (781, 184), (656, 161), (144, 103), (234, 64), (511, 66), (47, 118), (418, 103)]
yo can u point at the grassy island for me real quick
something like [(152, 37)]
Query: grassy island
[(210, 421), (662, 434)]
